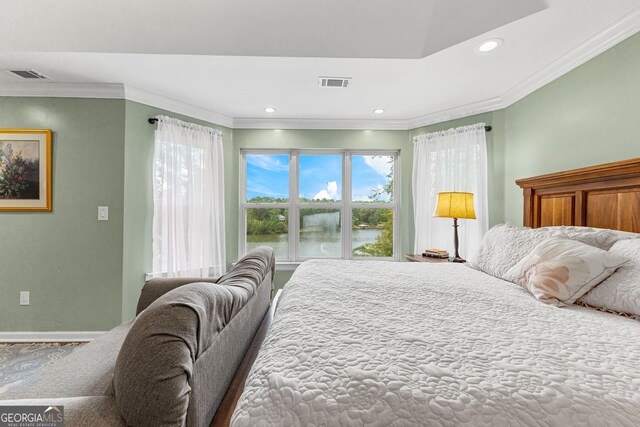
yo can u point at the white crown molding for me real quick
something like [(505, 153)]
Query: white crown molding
[(599, 43), (602, 41), (63, 90), (175, 106), (479, 107), (61, 336), (110, 91), (334, 124)]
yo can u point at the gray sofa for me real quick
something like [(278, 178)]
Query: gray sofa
[(172, 364)]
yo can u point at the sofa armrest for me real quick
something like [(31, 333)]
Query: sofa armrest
[(96, 411), (155, 288)]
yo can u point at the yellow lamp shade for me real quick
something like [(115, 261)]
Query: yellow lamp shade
[(455, 205)]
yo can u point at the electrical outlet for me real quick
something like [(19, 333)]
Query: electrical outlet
[(24, 297), (103, 213)]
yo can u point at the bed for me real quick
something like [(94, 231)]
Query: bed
[(379, 343)]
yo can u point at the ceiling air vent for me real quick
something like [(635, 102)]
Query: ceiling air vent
[(334, 81), (28, 74)]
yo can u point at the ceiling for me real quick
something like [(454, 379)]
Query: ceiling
[(415, 59), (407, 29)]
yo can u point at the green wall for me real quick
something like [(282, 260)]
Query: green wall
[(138, 198), (69, 261), (328, 139), (587, 117), (84, 274)]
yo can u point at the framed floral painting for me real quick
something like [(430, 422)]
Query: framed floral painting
[(25, 170)]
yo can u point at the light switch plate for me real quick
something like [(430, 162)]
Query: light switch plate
[(103, 213), (24, 297)]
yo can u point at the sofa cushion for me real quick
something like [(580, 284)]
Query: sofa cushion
[(251, 269), (152, 377), (86, 371), (155, 364), (155, 288)]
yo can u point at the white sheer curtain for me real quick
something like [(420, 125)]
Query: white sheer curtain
[(188, 200), (451, 160)]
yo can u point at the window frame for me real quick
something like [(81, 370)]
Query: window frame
[(345, 205)]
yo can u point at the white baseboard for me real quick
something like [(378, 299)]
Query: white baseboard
[(57, 336)]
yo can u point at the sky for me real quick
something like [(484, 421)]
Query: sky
[(320, 176)]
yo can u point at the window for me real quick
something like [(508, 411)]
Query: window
[(320, 204)]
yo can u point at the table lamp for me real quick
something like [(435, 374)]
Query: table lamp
[(457, 206)]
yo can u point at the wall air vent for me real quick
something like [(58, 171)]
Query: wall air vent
[(334, 81), (28, 74)]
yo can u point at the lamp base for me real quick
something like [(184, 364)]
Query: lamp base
[(456, 257)]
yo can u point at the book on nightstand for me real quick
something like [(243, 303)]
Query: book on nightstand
[(435, 253)]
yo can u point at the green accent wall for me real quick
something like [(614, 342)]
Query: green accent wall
[(138, 198), (85, 274), (328, 139), (70, 262), (587, 117)]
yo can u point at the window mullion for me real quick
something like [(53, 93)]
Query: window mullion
[(346, 211), (337, 205), (242, 222), (396, 207), (294, 221)]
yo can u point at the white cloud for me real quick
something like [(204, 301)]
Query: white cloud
[(380, 164), (330, 193), (270, 163)]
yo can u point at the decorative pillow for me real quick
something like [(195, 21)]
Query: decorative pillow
[(598, 237), (504, 245), (621, 291), (561, 270)]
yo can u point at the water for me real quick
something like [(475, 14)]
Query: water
[(312, 243)]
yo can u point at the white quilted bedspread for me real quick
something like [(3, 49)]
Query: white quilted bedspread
[(399, 344)]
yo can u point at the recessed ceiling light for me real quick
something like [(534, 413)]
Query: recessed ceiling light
[(270, 110), (378, 111), (489, 45)]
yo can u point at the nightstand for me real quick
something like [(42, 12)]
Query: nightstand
[(420, 258)]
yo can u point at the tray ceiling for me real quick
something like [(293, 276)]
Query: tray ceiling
[(415, 59)]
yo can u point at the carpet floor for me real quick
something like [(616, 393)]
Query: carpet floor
[(20, 362)]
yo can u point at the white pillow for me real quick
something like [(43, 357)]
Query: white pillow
[(505, 245), (621, 291), (598, 237), (561, 270)]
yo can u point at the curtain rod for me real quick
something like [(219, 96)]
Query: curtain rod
[(153, 121)]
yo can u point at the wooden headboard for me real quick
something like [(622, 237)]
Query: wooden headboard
[(603, 196)]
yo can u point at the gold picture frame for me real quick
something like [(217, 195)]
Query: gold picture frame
[(25, 170)]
